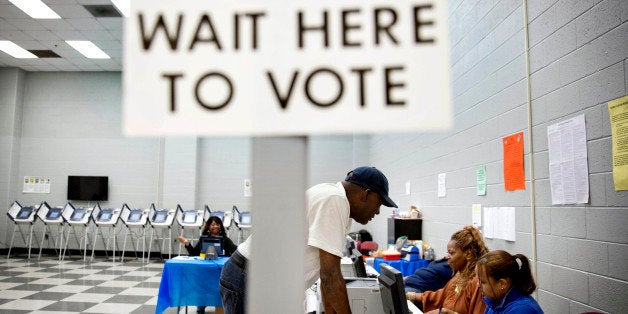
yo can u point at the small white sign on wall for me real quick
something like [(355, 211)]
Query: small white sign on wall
[(248, 188), (39, 185), (285, 67), (442, 184)]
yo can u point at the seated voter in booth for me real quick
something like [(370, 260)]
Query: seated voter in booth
[(213, 227)]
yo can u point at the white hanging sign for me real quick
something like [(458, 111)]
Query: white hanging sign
[(285, 67)]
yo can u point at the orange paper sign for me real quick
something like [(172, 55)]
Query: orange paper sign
[(514, 177)]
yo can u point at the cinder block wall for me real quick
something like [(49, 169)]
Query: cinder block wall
[(578, 53)]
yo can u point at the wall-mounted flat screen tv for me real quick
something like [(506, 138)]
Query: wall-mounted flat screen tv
[(88, 188)]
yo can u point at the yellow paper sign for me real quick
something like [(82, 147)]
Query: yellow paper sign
[(618, 111)]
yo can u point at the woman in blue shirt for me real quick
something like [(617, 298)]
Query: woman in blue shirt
[(507, 283)]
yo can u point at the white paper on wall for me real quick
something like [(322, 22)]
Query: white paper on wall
[(488, 223), (569, 172), (442, 188), (499, 223), (476, 213)]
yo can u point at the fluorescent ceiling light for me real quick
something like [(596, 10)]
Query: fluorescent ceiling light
[(36, 9), (88, 49), (15, 51), (124, 6)]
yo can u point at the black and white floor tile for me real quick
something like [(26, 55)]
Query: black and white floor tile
[(48, 285)]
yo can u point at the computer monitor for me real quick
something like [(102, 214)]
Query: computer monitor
[(220, 215), (245, 218), (25, 212), (189, 216), (358, 266), (54, 213), (392, 291), (216, 242), (78, 214), (105, 215), (135, 215), (160, 216)]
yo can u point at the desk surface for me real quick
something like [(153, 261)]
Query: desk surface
[(406, 268), (190, 282)]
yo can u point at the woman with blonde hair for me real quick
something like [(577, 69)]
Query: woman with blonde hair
[(507, 283), (462, 293)]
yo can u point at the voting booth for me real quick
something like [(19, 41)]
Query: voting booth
[(160, 221), (105, 219), (135, 220), (22, 217), (53, 219), (243, 222), (77, 222), (190, 220)]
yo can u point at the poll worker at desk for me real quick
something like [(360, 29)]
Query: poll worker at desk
[(330, 208), (213, 227), (507, 283), (462, 293)]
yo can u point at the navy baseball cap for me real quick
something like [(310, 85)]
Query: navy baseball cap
[(372, 179)]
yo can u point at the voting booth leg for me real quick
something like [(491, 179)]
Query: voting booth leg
[(51, 238), (143, 242), (30, 237), (124, 244), (43, 238), (126, 232), (61, 228), (169, 243), (150, 243), (12, 238), (181, 234)]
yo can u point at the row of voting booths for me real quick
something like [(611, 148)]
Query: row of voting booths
[(69, 228)]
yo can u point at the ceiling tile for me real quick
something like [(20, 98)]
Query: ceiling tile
[(71, 35), (71, 11), (42, 35), (29, 44), (77, 24), (98, 35), (14, 35), (57, 25), (52, 2), (85, 24), (5, 25), (11, 11), (26, 24)]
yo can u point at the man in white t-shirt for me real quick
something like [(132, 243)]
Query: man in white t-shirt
[(330, 208)]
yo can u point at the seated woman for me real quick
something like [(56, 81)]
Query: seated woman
[(462, 292), (213, 227), (507, 283), (432, 277)]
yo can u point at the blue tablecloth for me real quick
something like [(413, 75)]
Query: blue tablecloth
[(406, 268), (190, 282)]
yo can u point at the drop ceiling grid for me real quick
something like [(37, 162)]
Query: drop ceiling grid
[(76, 24)]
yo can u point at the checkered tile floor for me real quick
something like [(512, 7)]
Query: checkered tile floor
[(73, 286)]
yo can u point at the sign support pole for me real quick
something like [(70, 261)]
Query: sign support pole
[(275, 277)]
